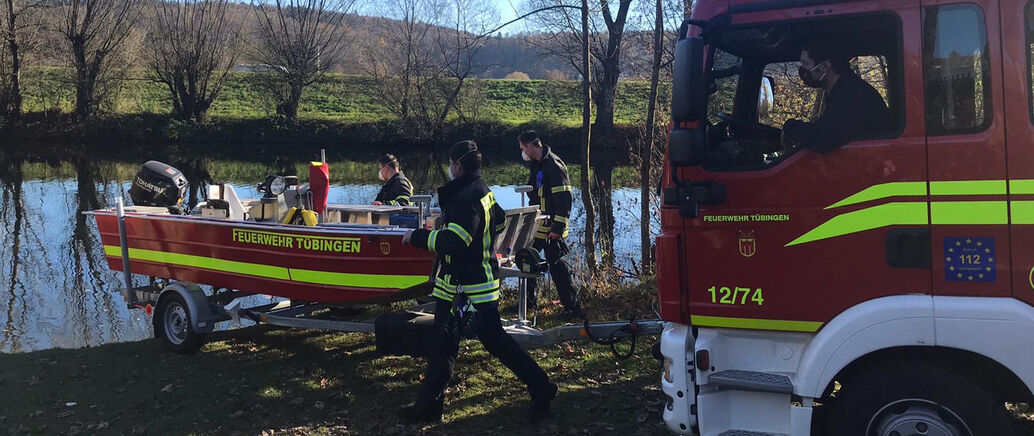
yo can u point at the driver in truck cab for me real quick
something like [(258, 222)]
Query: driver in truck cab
[(853, 107)]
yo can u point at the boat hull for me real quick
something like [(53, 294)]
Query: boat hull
[(333, 265)]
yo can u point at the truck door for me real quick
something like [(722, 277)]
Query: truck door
[(801, 235), (965, 125), (1016, 67)]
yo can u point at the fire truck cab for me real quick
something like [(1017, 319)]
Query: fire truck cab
[(885, 287)]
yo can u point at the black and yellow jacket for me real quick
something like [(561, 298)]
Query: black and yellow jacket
[(552, 193), (471, 221), (396, 191)]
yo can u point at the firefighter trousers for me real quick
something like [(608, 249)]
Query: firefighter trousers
[(558, 269), (491, 334)]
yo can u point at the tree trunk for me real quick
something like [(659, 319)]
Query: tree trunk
[(646, 153), (604, 175), (289, 107), (84, 81), (586, 188), (13, 104)]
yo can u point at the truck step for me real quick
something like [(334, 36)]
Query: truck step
[(748, 433), (752, 381)]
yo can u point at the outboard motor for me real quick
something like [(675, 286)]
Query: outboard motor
[(157, 184)]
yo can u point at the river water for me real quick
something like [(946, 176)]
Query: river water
[(56, 290)]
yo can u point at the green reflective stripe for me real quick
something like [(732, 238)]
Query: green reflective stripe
[(559, 189), (244, 268), (487, 298), (754, 323), (431, 239), (890, 214), (438, 294), (443, 282), (562, 219), (356, 280), (448, 258), (1022, 212), (968, 187), (461, 232), (969, 212), (405, 196), (1021, 187), (486, 242), (883, 190), (474, 289), (272, 272)]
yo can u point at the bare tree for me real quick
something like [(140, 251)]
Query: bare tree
[(646, 152), (19, 31), (194, 44), (95, 31), (590, 210), (299, 41)]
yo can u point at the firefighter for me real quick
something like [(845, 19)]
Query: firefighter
[(397, 188), (466, 291), (853, 107), (552, 194)]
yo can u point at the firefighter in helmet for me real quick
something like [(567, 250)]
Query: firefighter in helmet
[(466, 290)]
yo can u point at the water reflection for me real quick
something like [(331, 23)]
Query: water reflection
[(56, 289)]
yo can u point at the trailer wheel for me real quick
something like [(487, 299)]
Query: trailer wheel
[(172, 324), (914, 399)]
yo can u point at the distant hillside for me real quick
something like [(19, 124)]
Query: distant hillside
[(500, 56)]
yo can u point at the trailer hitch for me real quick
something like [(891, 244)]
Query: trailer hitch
[(632, 329)]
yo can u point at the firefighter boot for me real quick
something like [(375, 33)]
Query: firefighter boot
[(421, 413), (540, 399)]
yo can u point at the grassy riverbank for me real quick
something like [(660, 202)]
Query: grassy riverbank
[(272, 381), (345, 98)]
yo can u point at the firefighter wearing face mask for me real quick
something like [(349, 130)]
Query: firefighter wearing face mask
[(854, 109), (466, 291), (552, 193), (397, 188)]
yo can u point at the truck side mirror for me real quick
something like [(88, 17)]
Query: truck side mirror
[(689, 86), (686, 148), (766, 97)]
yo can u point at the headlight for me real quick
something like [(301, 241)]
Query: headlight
[(667, 370), (278, 185)]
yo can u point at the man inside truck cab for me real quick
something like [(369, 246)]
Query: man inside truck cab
[(854, 108)]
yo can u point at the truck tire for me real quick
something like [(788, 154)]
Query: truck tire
[(917, 398), (172, 324)]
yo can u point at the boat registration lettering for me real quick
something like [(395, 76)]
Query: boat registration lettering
[(308, 243)]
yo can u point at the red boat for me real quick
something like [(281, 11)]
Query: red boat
[(333, 263), (289, 243)]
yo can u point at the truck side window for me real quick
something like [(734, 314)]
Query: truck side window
[(956, 69), (795, 100)]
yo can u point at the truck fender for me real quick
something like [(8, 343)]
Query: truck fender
[(203, 316), (902, 320)]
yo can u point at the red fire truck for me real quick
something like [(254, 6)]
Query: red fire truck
[(883, 288)]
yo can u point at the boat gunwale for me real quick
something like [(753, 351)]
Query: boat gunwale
[(360, 229)]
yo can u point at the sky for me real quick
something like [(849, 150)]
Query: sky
[(507, 13)]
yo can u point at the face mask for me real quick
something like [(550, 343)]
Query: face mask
[(380, 175), (806, 77), (524, 155), (451, 176)]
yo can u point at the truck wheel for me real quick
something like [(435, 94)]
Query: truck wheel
[(915, 399), (173, 325)]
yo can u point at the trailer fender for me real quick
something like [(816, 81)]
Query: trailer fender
[(896, 321), (203, 316)]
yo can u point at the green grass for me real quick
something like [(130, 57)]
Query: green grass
[(273, 381), (345, 98)]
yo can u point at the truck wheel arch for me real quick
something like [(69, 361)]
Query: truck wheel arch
[(904, 327)]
